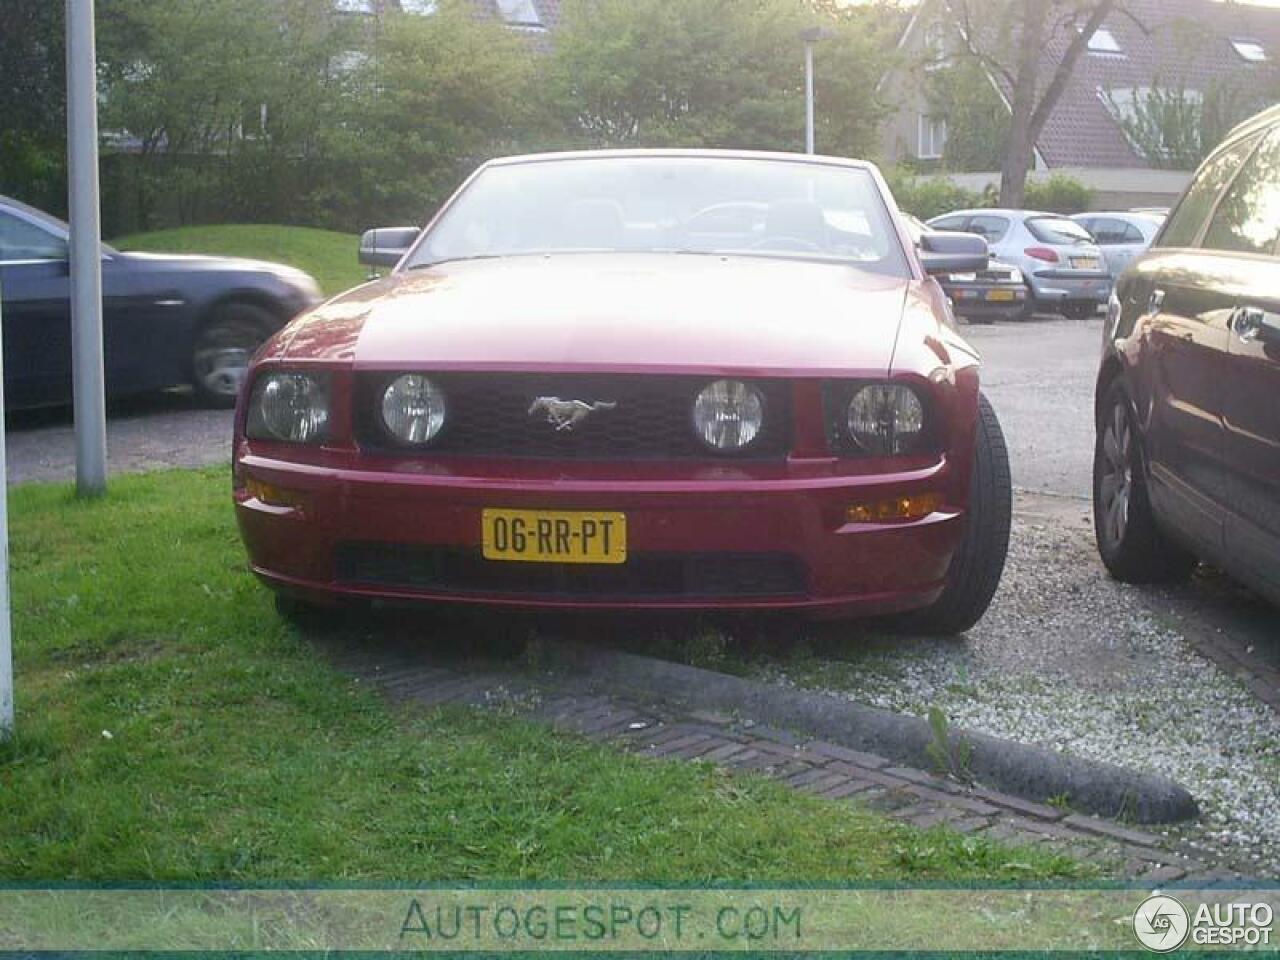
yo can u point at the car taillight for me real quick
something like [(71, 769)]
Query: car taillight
[(1042, 253)]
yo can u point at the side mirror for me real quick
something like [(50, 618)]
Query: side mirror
[(943, 253), (385, 246)]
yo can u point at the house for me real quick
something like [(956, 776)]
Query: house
[(534, 16), (1195, 50)]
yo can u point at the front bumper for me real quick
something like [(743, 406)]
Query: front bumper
[(727, 537)]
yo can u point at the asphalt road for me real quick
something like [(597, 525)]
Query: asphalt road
[(1039, 377)]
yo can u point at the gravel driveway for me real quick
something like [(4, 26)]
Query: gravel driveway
[(145, 433), (1070, 660)]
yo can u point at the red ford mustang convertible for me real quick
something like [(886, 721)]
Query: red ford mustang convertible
[(661, 380)]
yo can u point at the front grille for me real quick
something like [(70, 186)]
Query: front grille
[(488, 416), (652, 575)]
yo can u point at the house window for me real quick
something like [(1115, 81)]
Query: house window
[(933, 137), (1251, 51), (1104, 41), (348, 62), (935, 44), (519, 13)]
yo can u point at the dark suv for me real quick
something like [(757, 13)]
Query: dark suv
[(1187, 462)]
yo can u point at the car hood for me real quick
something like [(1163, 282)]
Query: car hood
[(618, 311)]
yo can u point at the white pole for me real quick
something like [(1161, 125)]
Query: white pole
[(810, 145), (6, 638), (86, 252)]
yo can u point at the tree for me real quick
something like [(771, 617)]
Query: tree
[(33, 102), (291, 111), (1173, 127), (1028, 27), (711, 73), (443, 94), (1163, 124), (977, 118), (179, 80)]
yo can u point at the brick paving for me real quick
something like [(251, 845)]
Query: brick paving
[(827, 770)]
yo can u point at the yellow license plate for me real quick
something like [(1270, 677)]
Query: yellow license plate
[(549, 536), (1005, 295), (1085, 263)]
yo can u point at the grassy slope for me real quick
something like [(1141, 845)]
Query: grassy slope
[(328, 256), (236, 754)]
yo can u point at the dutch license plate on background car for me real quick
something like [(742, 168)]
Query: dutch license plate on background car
[(552, 536), (1085, 263), (1005, 295)]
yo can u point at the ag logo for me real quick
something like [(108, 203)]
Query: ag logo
[(1161, 923)]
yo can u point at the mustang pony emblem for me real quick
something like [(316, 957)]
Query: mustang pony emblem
[(567, 414)]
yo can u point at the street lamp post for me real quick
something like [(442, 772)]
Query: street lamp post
[(88, 394), (810, 38)]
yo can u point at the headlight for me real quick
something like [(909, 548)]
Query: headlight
[(293, 407), (728, 415), (886, 419), (1015, 276), (413, 409)]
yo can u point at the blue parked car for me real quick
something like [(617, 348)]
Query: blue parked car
[(167, 320)]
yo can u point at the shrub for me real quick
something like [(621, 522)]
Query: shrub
[(927, 197), (1058, 194)]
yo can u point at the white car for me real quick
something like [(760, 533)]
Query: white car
[(1123, 237), (1062, 265)]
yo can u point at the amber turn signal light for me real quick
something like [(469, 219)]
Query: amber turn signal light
[(897, 510), (274, 496)]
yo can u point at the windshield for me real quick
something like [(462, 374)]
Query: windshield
[(1058, 230), (663, 204)]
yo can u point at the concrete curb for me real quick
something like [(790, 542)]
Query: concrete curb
[(1028, 772)]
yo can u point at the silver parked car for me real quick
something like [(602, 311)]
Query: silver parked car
[(1123, 237), (1064, 268)]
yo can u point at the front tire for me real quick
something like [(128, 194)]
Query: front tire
[(978, 562), (1130, 542), (223, 348)]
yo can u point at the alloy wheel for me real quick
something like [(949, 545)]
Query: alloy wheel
[(221, 358), (1116, 486)]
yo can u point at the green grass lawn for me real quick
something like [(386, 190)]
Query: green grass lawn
[(170, 727), (328, 256)]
